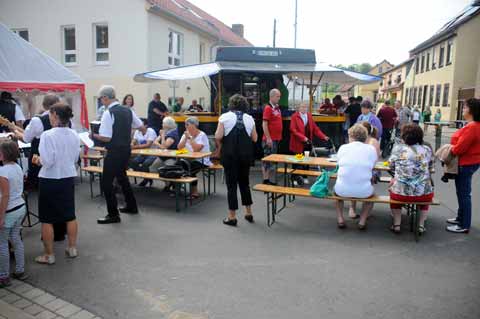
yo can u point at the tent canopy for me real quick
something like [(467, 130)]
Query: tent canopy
[(319, 73), (26, 68)]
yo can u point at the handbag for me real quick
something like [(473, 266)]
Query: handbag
[(171, 171), (320, 187)]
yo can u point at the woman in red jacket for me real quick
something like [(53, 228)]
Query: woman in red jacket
[(302, 130), (466, 145)]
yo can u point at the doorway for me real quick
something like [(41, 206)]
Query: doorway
[(424, 100)]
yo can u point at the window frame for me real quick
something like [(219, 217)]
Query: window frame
[(202, 52), (446, 94), (18, 30), (449, 52), (101, 50), (427, 62), (441, 56), (417, 64), (434, 63), (431, 96), (175, 45), (66, 52), (422, 64), (438, 94)]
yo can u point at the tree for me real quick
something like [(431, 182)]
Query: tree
[(362, 68)]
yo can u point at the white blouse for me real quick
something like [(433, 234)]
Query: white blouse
[(59, 150)]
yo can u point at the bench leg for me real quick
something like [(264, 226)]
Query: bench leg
[(91, 184), (416, 209), (267, 196), (214, 182), (177, 195)]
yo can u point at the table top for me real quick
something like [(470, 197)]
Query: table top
[(443, 123), (170, 153), (312, 161)]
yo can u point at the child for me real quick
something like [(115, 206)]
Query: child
[(12, 211)]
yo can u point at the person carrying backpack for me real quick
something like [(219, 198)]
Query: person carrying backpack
[(235, 136)]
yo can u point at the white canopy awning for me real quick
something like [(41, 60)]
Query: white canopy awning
[(318, 73)]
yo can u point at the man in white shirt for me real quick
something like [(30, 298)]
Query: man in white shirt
[(115, 131), (10, 109)]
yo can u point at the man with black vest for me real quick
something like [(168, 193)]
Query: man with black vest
[(115, 131), (10, 110)]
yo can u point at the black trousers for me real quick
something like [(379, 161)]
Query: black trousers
[(386, 137), (114, 167), (237, 172)]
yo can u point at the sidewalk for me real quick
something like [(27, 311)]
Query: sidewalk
[(23, 301)]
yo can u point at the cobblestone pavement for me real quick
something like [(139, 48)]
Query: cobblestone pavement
[(23, 301)]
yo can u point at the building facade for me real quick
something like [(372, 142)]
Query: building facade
[(370, 91), (109, 41), (446, 66), (392, 86)]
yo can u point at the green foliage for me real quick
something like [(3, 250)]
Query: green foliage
[(362, 68)]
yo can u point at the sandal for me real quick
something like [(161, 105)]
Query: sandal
[(45, 259), (395, 229), (362, 226), (230, 222), (249, 218), (341, 225)]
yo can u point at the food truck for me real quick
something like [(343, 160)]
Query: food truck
[(253, 72)]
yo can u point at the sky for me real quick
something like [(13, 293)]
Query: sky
[(340, 31)]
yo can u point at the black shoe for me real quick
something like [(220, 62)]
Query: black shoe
[(109, 220), (268, 182), (230, 222), (127, 210), (20, 276), (249, 218)]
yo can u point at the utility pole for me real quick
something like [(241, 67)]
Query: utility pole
[(274, 32), (295, 25)]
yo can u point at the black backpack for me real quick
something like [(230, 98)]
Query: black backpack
[(238, 144), (177, 170)]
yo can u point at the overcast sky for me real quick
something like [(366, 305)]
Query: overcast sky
[(340, 31)]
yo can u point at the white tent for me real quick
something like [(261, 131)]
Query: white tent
[(27, 73)]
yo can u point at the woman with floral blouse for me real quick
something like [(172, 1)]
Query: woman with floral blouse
[(412, 162)]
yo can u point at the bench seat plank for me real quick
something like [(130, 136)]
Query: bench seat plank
[(302, 192), (99, 170)]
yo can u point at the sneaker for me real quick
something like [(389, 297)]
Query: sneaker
[(5, 282), (20, 276), (453, 221), (457, 229), (71, 252), (45, 259), (306, 181), (295, 183)]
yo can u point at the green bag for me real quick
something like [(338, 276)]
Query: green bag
[(320, 187)]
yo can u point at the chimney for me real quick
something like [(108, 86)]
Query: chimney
[(238, 29)]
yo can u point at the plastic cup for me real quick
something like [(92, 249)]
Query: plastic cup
[(307, 153)]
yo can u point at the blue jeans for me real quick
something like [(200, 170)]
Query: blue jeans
[(463, 183), (142, 162)]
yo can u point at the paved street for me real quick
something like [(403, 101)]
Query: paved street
[(163, 264)]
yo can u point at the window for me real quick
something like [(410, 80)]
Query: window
[(406, 95), (427, 64), (414, 96), (69, 47), (434, 63), (438, 94), (417, 65), (174, 49), (420, 91), (442, 56), (432, 93), (202, 53), (201, 101), (446, 89), (101, 44), (423, 64), (23, 33), (389, 80), (380, 69), (449, 51)]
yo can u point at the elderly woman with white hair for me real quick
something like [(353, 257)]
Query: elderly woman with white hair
[(302, 131), (356, 161), (167, 139), (195, 140)]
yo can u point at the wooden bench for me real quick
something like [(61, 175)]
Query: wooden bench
[(273, 193), (211, 171), (180, 183)]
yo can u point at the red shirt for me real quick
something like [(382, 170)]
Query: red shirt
[(387, 116), (274, 118), (466, 144), (328, 107)]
